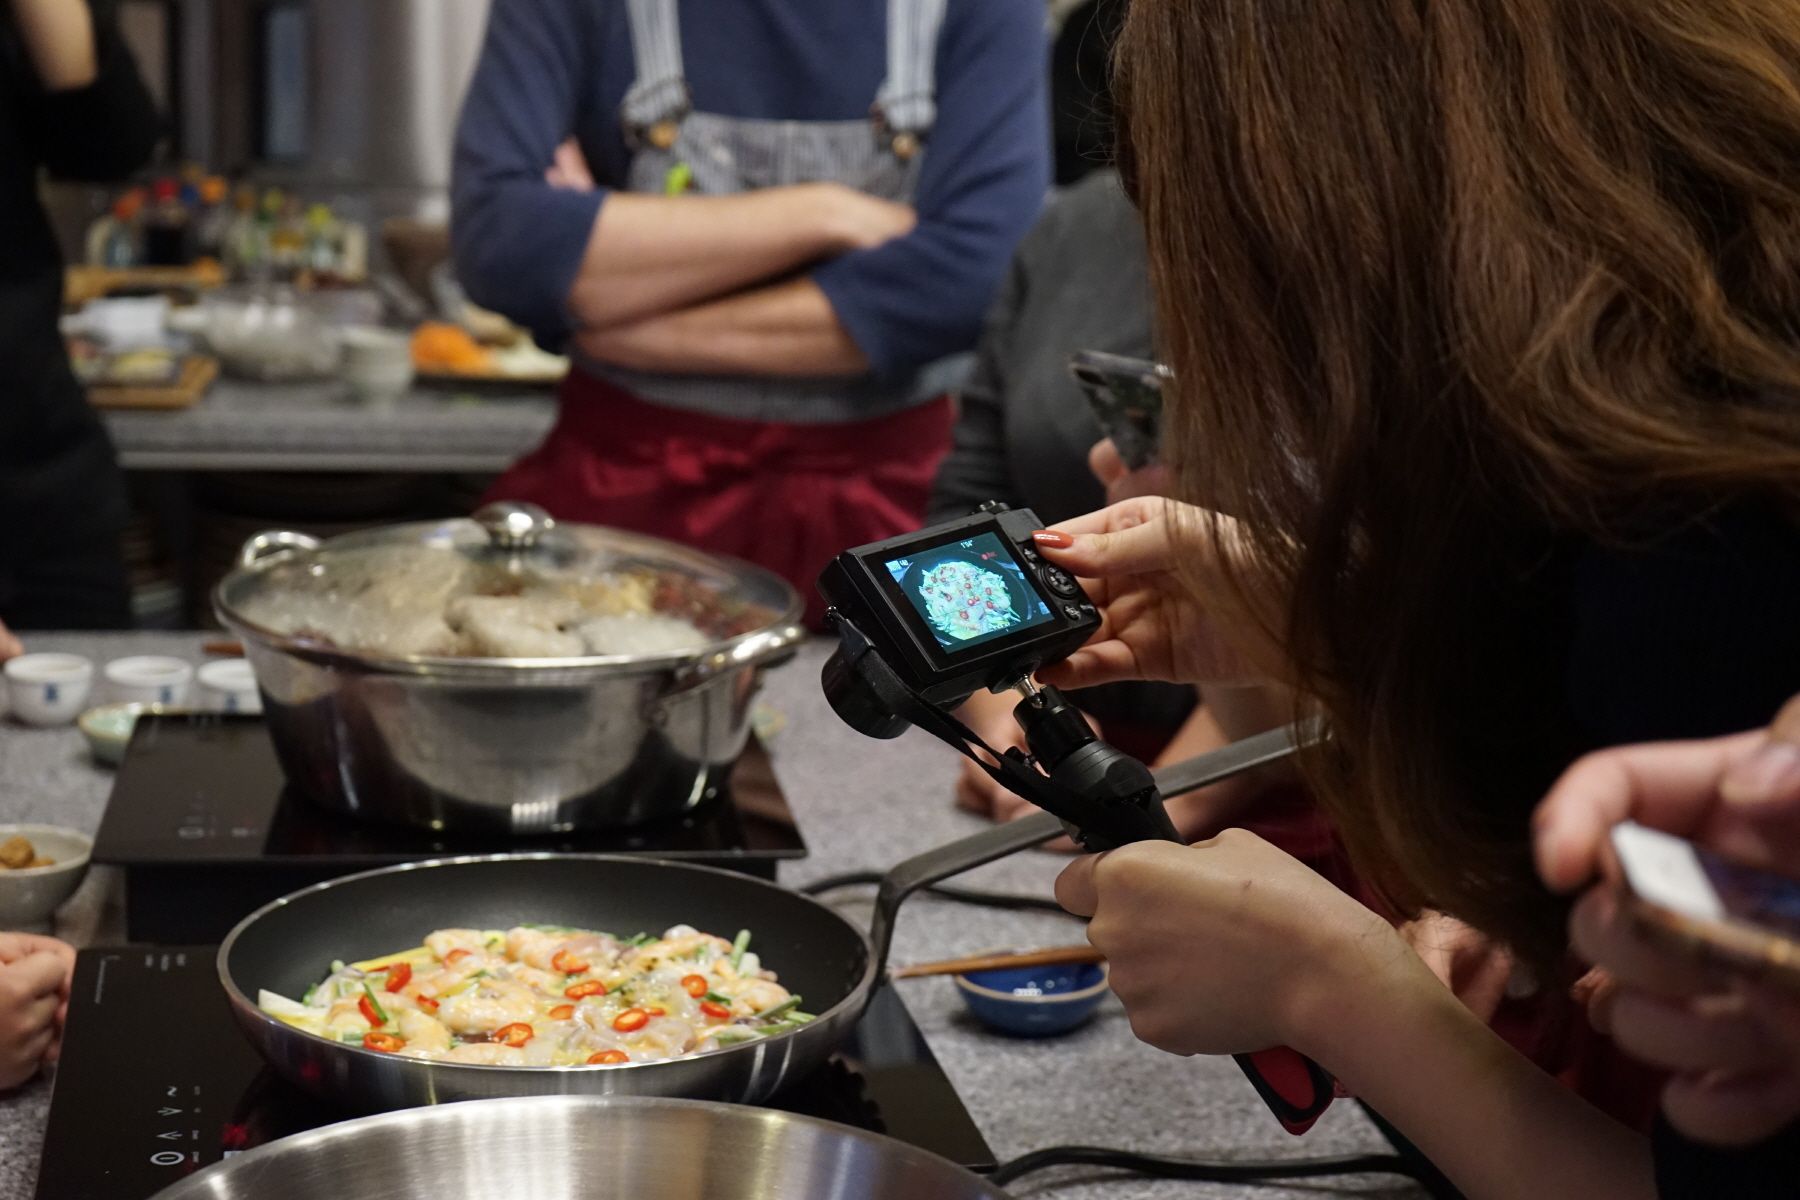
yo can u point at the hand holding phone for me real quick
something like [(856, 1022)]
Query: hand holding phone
[(1698, 901), (1126, 395)]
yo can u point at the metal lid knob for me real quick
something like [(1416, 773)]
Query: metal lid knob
[(512, 525)]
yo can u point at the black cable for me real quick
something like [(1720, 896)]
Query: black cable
[(1161, 1166), (944, 891)]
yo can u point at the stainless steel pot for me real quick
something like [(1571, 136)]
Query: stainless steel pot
[(568, 1148), (506, 745)]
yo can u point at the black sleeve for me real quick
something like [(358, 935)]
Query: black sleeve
[(977, 468), (103, 131), (1690, 634), (1691, 1171)]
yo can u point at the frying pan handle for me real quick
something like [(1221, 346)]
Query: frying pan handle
[(940, 864), (934, 866)]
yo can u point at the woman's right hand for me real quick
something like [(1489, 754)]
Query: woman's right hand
[(1132, 558), (10, 646)]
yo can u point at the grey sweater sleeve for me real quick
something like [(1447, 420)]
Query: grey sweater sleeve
[(977, 468)]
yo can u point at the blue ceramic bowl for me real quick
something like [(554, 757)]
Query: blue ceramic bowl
[(1034, 1001)]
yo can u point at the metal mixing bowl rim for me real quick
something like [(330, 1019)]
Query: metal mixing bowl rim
[(853, 1000), (328, 1134)]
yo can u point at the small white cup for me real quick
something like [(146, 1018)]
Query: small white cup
[(377, 362), (149, 679), (228, 685), (48, 689)]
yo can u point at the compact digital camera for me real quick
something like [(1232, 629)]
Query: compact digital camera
[(962, 606)]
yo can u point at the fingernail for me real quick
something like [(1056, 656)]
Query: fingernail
[(1771, 773), (1053, 539)]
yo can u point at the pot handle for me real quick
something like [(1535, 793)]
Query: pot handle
[(765, 649), (266, 548)]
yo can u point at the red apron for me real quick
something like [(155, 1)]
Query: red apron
[(786, 497)]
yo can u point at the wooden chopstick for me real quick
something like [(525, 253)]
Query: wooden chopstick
[(224, 649), (1055, 956)]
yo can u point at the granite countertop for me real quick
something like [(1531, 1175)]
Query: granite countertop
[(318, 427), (861, 804)]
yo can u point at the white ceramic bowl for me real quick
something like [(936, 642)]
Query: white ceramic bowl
[(48, 689), (30, 898), (148, 679), (228, 685), (108, 729)]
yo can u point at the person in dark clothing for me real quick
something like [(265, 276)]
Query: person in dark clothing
[(1023, 436), (71, 101)]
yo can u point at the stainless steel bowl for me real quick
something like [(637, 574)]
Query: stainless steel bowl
[(507, 745), (569, 1148)]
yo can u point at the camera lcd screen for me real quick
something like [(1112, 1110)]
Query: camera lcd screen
[(968, 592)]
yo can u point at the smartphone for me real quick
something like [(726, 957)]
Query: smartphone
[(1126, 395), (1743, 917)]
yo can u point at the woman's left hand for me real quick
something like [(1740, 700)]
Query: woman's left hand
[(1230, 945)]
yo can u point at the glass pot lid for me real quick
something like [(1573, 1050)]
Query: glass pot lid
[(511, 586)]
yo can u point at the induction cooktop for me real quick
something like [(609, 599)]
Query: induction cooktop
[(156, 1082), (207, 829)]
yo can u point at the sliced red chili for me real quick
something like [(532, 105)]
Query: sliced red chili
[(366, 1007), (695, 985), (562, 1012), (630, 1020), (516, 1034), (387, 1043), (717, 1012), (587, 987), (399, 975), (657, 1010), (567, 963), (608, 1056), (427, 1003), (454, 955)]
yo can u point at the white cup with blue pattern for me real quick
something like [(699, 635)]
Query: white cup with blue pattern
[(48, 689), (149, 679), (228, 685)]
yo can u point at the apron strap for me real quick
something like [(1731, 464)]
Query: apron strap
[(658, 98), (906, 106)]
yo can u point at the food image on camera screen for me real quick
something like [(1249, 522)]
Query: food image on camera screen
[(966, 601), (968, 592)]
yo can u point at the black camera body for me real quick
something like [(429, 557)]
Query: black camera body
[(962, 606), (926, 620)]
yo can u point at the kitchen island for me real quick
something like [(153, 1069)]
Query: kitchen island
[(242, 426), (861, 805)]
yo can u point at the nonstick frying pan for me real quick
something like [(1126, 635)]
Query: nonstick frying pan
[(820, 955)]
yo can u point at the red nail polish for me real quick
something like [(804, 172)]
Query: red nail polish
[(1053, 539)]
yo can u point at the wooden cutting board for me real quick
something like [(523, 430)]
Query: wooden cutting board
[(198, 374), (84, 283)]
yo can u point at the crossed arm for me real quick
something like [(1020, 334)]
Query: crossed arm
[(709, 284)]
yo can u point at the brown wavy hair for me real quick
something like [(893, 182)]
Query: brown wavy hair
[(1446, 283)]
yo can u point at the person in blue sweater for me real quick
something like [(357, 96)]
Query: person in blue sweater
[(800, 213)]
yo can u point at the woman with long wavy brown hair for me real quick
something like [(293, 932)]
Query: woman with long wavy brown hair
[(1486, 321)]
